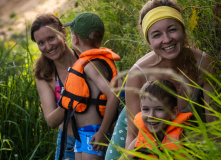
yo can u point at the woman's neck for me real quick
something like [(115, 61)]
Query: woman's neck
[(67, 60)]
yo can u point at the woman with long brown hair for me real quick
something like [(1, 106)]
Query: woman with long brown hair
[(51, 71)]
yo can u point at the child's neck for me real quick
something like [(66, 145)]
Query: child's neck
[(85, 48), (160, 136)]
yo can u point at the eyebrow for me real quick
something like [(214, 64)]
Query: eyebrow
[(154, 32), (171, 26), (57, 32), (151, 107), (167, 28)]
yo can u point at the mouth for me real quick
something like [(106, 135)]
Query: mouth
[(52, 51), (168, 48), (153, 124)]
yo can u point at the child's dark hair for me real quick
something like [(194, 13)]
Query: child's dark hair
[(161, 89), (94, 39)]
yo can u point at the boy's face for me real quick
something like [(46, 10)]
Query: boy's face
[(151, 109)]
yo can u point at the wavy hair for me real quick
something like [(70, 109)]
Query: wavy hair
[(44, 67)]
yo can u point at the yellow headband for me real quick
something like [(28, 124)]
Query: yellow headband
[(157, 14)]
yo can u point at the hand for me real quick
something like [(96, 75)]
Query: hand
[(98, 137)]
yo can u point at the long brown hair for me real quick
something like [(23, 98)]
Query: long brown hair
[(44, 67), (189, 61)]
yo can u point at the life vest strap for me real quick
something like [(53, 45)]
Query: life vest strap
[(145, 151), (75, 72), (64, 134), (69, 114), (84, 100), (98, 102)]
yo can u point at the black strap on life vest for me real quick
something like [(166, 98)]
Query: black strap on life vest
[(63, 136), (75, 72), (146, 151), (69, 114), (85, 100)]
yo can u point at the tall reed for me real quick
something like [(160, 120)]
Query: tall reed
[(24, 133)]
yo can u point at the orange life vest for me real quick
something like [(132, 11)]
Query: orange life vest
[(77, 94), (172, 134)]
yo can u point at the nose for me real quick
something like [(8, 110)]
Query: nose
[(152, 113), (48, 46), (166, 38)]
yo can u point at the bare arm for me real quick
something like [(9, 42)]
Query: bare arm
[(53, 115), (207, 98), (133, 105), (206, 65), (130, 147), (112, 100)]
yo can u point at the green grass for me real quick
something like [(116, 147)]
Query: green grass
[(23, 130)]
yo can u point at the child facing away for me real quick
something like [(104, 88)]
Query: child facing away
[(87, 89), (160, 105)]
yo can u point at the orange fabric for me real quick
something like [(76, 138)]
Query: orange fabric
[(172, 133), (78, 85)]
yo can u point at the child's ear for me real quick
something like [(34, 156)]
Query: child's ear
[(175, 112), (76, 40), (64, 31)]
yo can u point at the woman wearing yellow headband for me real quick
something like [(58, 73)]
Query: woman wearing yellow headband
[(163, 28)]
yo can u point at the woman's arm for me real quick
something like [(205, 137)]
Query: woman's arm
[(209, 118), (130, 147), (206, 65), (132, 104), (53, 115)]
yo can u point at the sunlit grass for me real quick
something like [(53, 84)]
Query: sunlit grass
[(23, 131)]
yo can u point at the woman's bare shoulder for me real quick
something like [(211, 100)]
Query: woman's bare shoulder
[(43, 85), (146, 61), (203, 59)]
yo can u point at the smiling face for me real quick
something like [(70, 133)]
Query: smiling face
[(151, 109), (49, 43), (166, 38)]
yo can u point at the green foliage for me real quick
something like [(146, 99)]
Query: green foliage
[(9, 28), (23, 131), (12, 15), (121, 28), (206, 33), (76, 4)]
